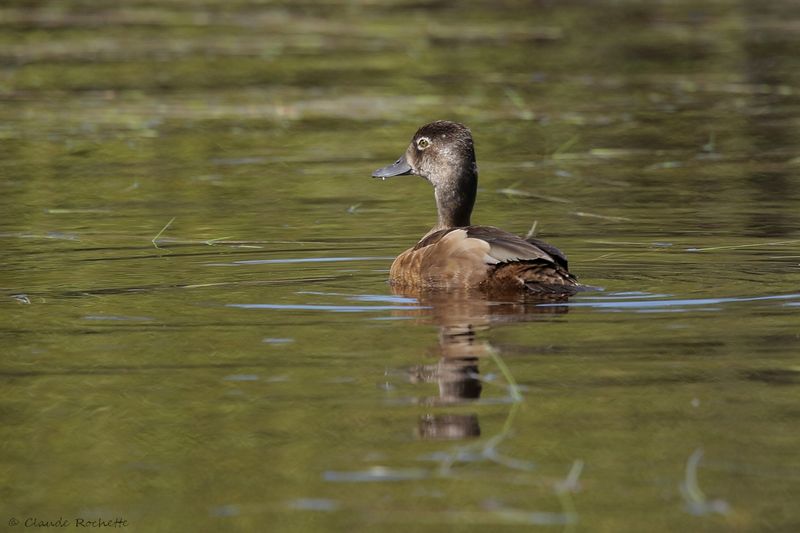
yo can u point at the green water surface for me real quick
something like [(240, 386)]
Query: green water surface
[(197, 333)]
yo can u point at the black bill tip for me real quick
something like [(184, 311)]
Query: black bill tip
[(398, 168)]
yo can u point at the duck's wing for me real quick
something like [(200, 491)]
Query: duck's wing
[(506, 247), (503, 247), (554, 252), (540, 267)]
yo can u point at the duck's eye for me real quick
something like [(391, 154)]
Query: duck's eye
[(423, 143)]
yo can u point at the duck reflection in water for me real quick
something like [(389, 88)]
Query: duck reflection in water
[(462, 316)]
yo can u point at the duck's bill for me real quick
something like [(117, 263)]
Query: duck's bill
[(398, 168)]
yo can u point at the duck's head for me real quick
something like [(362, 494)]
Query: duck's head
[(442, 152)]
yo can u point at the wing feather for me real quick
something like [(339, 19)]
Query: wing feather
[(506, 247)]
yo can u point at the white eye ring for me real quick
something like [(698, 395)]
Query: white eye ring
[(423, 142)]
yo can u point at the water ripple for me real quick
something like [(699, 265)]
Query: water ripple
[(376, 473), (365, 297), (681, 302), (333, 308), (299, 260)]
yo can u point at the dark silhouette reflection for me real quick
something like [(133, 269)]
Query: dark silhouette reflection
[(448, 427), (457, 378), (461, 315)]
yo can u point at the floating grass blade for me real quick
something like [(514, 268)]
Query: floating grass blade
[(155, 239), (695, 499), (513, 388), (532, 231)]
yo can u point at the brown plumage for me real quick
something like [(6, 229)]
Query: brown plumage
[(456, 254)]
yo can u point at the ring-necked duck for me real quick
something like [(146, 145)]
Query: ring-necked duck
[(456, 254)]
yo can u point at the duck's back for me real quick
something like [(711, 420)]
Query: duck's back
[(482, 257)]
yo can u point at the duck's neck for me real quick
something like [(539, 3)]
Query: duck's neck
[(455, 197)]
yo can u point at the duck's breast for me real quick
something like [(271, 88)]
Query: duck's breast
[(446, 259)]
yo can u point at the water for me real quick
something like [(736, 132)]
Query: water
[(198, 334)]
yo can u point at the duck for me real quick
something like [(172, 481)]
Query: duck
[(455, 254)]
